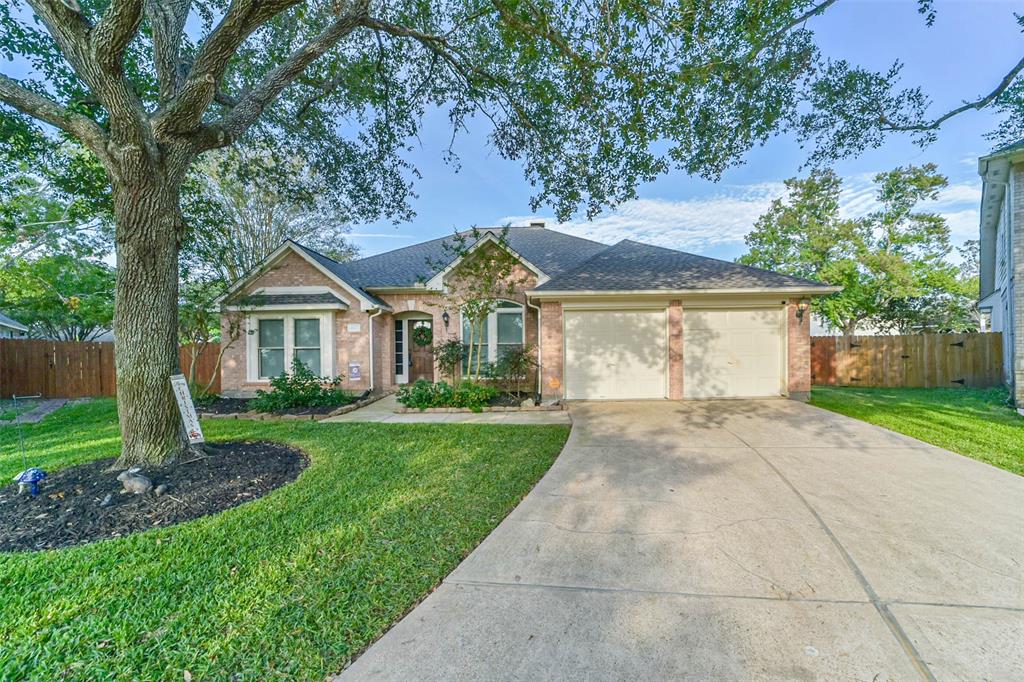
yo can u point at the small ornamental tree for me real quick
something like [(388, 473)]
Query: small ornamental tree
[(486, 273), (199, 328), (592, 97)]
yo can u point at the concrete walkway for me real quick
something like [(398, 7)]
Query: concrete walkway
[(39, 411), (733, 541), (383, 410)]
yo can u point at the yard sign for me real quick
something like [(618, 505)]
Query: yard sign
[(188, 411)]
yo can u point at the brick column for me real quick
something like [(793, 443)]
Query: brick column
[(675, 350), (798, 351), (551, 351)]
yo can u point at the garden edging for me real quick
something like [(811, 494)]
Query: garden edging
[(535, 408), (270, 416)]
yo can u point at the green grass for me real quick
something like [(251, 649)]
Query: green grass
[(288, 586), (973, 422)]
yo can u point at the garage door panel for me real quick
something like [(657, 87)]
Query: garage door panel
[(615, 354), (732, 353)]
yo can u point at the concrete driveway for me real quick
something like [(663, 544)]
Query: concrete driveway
[(733, 540)]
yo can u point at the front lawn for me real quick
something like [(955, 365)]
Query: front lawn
[(289, 586), (974, 422)]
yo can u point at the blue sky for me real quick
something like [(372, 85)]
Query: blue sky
[(970, 47)]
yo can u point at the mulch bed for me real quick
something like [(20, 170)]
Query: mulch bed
[(68, 509), (242, 405), (226, 406), (509, 399)]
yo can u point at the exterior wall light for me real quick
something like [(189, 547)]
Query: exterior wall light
[(801, 308), (446, 318)]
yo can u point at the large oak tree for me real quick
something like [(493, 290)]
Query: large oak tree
[(592, 97)]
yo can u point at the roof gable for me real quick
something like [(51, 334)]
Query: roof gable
[(547, 251)]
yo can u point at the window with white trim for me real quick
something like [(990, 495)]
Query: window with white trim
[(504, 329), (271, 340), (275, 339), (307, 343)]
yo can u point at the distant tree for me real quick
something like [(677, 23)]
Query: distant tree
[(244, 204), (62, 205), (200, 327), (62, 296), (891, 263), (947, 303)]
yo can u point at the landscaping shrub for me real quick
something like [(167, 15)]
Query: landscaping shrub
[(423, 394), (201, 398), (449, 357), (514, 368), (301, 388)]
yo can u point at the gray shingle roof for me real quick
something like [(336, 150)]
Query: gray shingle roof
[(631, 265), (572, 263), (12, 323), (257, 300), (552, 252)]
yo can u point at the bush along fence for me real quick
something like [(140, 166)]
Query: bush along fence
[(908, 361), (77, 369)]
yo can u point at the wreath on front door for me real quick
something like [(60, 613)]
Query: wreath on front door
[(422, 335)]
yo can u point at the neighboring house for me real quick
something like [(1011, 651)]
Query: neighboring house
[(1001, 304), (11, 328), (629, 321)]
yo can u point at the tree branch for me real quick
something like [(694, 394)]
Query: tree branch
[(110, 37), (979, 103), (167, 21), (251, 104), (775, 37), (45, 109), (183, 111)]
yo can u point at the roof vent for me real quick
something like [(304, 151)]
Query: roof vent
[(537, 223)]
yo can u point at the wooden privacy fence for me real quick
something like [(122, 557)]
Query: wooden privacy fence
[(76, 369), (912, 360)]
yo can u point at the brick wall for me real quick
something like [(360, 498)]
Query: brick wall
[(551, 350), (798, 351), (349, 346)]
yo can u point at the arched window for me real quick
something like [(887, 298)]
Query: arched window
[(504, 329)]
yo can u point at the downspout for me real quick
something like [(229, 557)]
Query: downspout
[(540, 345), (372, 356)]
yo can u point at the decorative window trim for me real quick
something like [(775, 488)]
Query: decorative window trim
[(252, 358)]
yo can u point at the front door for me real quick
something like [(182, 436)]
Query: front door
[(421, 358), (412, 360)]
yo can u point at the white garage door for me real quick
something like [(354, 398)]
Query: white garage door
[(732, 353), (615, 354)]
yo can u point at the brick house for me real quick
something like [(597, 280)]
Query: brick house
[(628, 321)]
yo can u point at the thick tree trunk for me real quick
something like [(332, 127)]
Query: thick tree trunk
[(149, 225)]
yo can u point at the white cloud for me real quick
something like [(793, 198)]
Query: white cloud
[(690, 224), (722, 219)]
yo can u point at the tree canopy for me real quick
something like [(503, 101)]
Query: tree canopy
[(62, 296), (892, 263)]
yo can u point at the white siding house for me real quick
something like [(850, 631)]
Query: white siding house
[(11, 328), (1002, 258)]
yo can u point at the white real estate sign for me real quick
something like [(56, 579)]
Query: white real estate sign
[(188, 411)]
